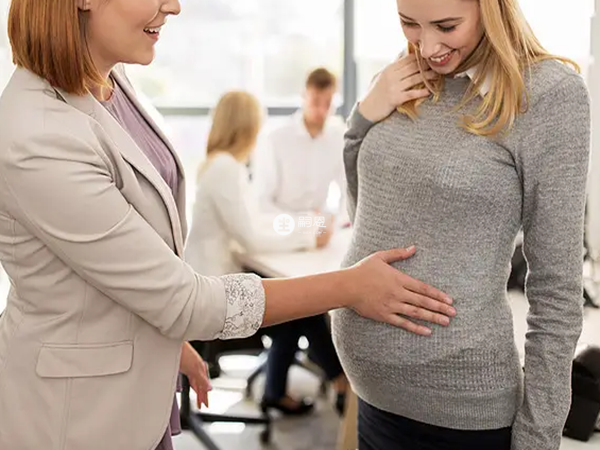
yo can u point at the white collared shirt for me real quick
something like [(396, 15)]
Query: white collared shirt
[(293, 172), (485, 87)]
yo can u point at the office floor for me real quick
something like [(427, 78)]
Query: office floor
[(319, 431)]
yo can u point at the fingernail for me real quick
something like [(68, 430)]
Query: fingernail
[(411, 248), (452, 312), (445, 321), (427, 332), (448, 300)]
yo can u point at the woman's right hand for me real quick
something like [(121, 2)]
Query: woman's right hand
[(385, 294), (393, 87)]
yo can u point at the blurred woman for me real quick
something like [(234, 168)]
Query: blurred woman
[(225, 212)]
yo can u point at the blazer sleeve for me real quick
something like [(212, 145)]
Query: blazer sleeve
[(62, 189)]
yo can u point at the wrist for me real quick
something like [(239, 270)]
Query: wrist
[(372, 110), (365, 109), (350, 287)]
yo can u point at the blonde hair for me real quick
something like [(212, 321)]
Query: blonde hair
[(507, 48), (236, 122)]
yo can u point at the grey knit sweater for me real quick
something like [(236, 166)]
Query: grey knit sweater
[(461, 199)]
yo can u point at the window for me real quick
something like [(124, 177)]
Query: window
[(562, 26), (264, 46), (378, 39)]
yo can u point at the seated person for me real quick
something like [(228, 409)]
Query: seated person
[(294, 167), (226, 214)]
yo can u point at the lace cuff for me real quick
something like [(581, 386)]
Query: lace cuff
[(245, 298)]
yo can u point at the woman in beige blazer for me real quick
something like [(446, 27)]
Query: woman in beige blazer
[(92, 238)]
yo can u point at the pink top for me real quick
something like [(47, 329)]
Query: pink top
[(130, 118)]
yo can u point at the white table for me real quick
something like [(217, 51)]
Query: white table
[(297, 264)]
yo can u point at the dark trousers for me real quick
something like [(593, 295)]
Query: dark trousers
[(285, 345), (380, 430)]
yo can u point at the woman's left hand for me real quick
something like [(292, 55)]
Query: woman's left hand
[(196, 370)]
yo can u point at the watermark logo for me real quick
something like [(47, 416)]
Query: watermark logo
[(284, 224)]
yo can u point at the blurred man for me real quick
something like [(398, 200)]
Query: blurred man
[(297, 162)]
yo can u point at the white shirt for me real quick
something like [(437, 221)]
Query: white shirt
[(293, 171), (225, 215), (485, 87)]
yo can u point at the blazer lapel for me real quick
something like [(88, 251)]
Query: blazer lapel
[(133, 155), (127, 88)]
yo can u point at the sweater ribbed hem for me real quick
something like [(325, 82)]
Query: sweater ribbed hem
[(456, 410)]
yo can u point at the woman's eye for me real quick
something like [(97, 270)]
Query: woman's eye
[(447, 29), (408, 24)]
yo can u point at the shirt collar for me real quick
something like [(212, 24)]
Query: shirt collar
[(485, 87), (298, 118)]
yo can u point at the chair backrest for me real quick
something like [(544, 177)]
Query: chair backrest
[(211, 351)]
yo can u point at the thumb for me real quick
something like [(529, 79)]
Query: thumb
[(397, 254)]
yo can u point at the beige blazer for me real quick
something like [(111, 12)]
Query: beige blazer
[(100, 301)]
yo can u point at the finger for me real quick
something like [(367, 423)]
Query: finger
[(413, 80), (431, 75), (405, 55), (198, 392), (207, 373), (201, 394), (413, 94), (429, 304), (404, 70), (397, 254), (416, 312), (402, 322), (419, 287)]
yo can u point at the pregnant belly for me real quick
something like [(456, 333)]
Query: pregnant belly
[(463, 356)]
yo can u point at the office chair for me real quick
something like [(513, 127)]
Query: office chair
[(301, 360), (194, 421)]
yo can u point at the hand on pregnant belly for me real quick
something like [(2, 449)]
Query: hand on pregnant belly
[(403, 297)]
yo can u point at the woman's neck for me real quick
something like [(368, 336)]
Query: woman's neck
[(103, 92)]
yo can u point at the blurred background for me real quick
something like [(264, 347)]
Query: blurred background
[(269, 46)]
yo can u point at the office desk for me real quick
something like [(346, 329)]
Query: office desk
[(297, 264)]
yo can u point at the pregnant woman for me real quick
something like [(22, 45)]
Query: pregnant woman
[(473, 135)]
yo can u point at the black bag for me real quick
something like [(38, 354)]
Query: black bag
[(518, 270), (584, 416)]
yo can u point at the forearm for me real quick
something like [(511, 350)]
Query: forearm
[(295, 298), (541, 418)]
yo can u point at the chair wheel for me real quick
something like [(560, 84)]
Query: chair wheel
[(265, 435)]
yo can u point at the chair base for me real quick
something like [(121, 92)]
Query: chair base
[(195, 422)]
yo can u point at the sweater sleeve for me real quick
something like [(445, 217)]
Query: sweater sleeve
[(358, 126), (552, 157)]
